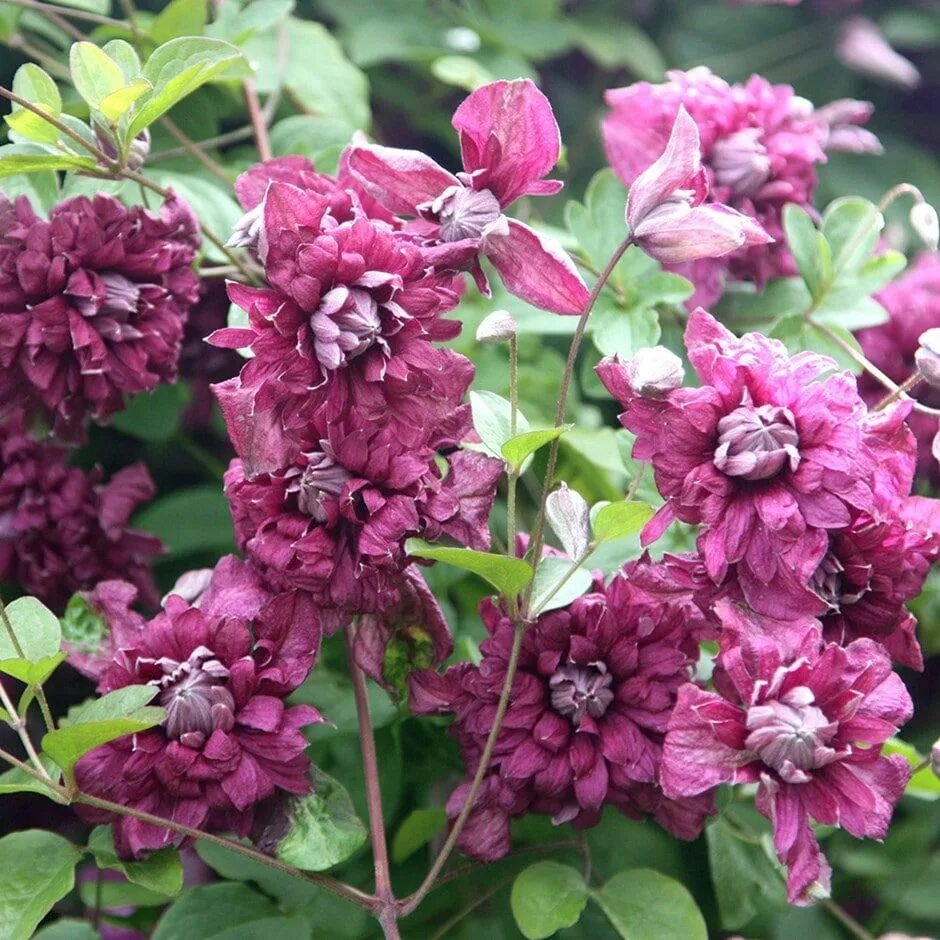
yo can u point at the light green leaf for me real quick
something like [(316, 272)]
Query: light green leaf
[(420, 826), (67, 928), (239, 25), (94, 73), (851, 225), (598, 225), (208, 911), (547, 897), (461, 71), (31, 158), (805, 243), (620, 520), (36, 627), (518, 448), (32, 673), (115, 105), (849, 311), (160, 871), (642, 904), (492, 421), (38, 869), (39, 89), (546, 592), (878, 271), (179, 18), (508, 575), (323, 830), (615, 43), (925, 785), (125, 55), (176, 69), (619, 332), (18, 781)]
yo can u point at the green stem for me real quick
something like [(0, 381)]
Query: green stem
[(38, 689), (51, 8), (513, 477), (846, 919)]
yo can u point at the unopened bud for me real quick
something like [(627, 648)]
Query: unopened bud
[(924, 221), (570, 518), (927, 356), (191, 585), (498, 327), (655, 371), (863, 48), (139, 149), (935, 758)]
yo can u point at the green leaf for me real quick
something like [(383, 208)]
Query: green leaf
[(744, 878), (190, 520), (323, 828), (508, 575), (548, 592), (36, 628), (492, 421), (31, 158), (311, 136), (210, 911), (878, 271), (67, 928), (179, 18), (83, 629), (38, 869), (160, 872), (462, 71), (619, 332), (18, 781), (547, 897), (643, 904), (42, 189), (125, 55), (115, 105), (617, 43), (924, 785), (517, 449), (620, 520), (176, 69), (239, 25), (851, 225), (598, 225), (804, 242), (119, 713), (419, 827), (32, 673), (95, 74), (39, 89), (798, 335), (332, 693), (154, 416)]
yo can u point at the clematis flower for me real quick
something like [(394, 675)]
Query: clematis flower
[(843, 120), (807, 727), (228, 743), (93, 304), (509, 140), (334, 520), (769, 455), (63, 530), (913, 305), (760, 146), (664, 206), (590, 701), (349, 317), (863, 48)]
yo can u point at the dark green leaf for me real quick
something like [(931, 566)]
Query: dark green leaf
[(508, 575), (38, 869), (417, 830), (323, 828), (68, 929), (154, 416), (547, 897), (190, 520), (645, 905), (208, 911), (36, 628)]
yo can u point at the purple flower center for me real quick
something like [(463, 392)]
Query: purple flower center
[(347, 322), (791, 735), (756, 443), (830, 584), (580, 690), (195, 697), (321, 479), (740, 162), (462, 212)]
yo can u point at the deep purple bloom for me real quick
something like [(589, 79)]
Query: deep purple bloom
[(769, 455), (913, 303), (92, 304), (228, 742), (333, 521), (590, 702), (63, 530), (760, 148), (806, 726), (509, 140)]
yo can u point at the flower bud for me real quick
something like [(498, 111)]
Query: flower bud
[(655, 371), (139, 149), (498, 327), (927, 356), (863, 48), (935, 758), (570, 518), (924, 221)]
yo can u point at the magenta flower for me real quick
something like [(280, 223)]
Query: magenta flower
[(769, 455), (863, 48), (509, 140), (334, 520), (760, 147), (349, 318), (807, 728), (228, 743), (913, 303), (93, 304), (63, 530), (590, 703), (664, 207)]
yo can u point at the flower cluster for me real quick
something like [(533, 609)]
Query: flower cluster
[(94, 303), (760, 146), (809, 545), (222, 667), (64, 530), (589, 706)]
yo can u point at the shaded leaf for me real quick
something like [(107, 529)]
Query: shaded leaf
[(546, 897), (508, 575)]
